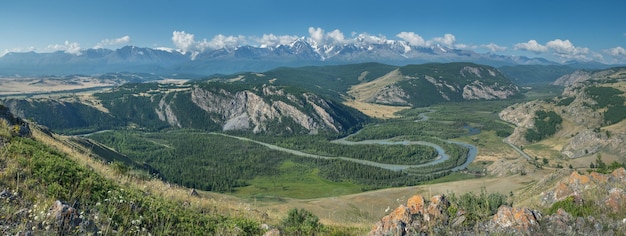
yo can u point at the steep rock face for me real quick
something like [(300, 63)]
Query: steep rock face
[(241, 110), (479, 90), (165, 113)]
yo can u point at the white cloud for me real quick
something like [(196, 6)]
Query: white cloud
[(417, 40), (183, 41), (616, 52), (336, 36), (565, 49), (222, 41), (109, 42), (412, 38), (270, 40), (67, 47), (532, 45), (493, 47), (317, 34), (447, 40), (560, 48)]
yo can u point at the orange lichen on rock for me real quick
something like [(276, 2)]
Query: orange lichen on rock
[(578, 179), (522, 219), (599, 177), (415, 204), (619, 174)]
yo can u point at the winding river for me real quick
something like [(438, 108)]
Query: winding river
[(442, 156)]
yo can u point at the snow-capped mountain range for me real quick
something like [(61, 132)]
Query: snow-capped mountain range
[(301, 52)]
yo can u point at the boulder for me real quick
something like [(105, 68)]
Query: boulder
[(65, 217), (616, 201), (509, 220)]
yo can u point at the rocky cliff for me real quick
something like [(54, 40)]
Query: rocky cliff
[(214, 106), (592, 108), (581, 76), (256, 109), (421, 85), (592, 204)]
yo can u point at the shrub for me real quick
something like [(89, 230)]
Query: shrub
[(300, 222), (571, 206)]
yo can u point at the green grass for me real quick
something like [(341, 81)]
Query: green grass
[(544, 150), (487, 141), (295, 181), (543, 91)]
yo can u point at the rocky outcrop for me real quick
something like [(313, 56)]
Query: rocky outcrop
[(581, 76), (440, 85), (165, 113), (422, 85), (599, 203), (522, 116), (576, 77), (588, 133), (517, 220), (479, 90), (414, 218), (17, 125), (257, 110), (391, 95), (66, 218), (576, 185), (585, 143)]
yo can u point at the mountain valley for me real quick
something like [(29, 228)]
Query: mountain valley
[(204, 143)]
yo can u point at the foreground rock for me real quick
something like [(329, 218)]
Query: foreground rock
[(591, 204)]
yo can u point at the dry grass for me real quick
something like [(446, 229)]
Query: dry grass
[(360, 93), (362, 210), (376, 110), (19, 86), (364, 91)]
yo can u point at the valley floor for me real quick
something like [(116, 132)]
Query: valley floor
[(364, 209)]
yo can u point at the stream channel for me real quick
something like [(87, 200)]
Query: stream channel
[(441, 157)]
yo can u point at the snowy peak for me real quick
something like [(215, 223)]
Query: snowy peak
[(229, 59)]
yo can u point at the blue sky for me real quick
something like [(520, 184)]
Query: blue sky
[(557, 30)]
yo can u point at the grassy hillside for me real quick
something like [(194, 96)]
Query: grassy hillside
[(50, 186), (36, 175)]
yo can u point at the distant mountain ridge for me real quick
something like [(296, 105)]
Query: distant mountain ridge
[(301, 52)]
